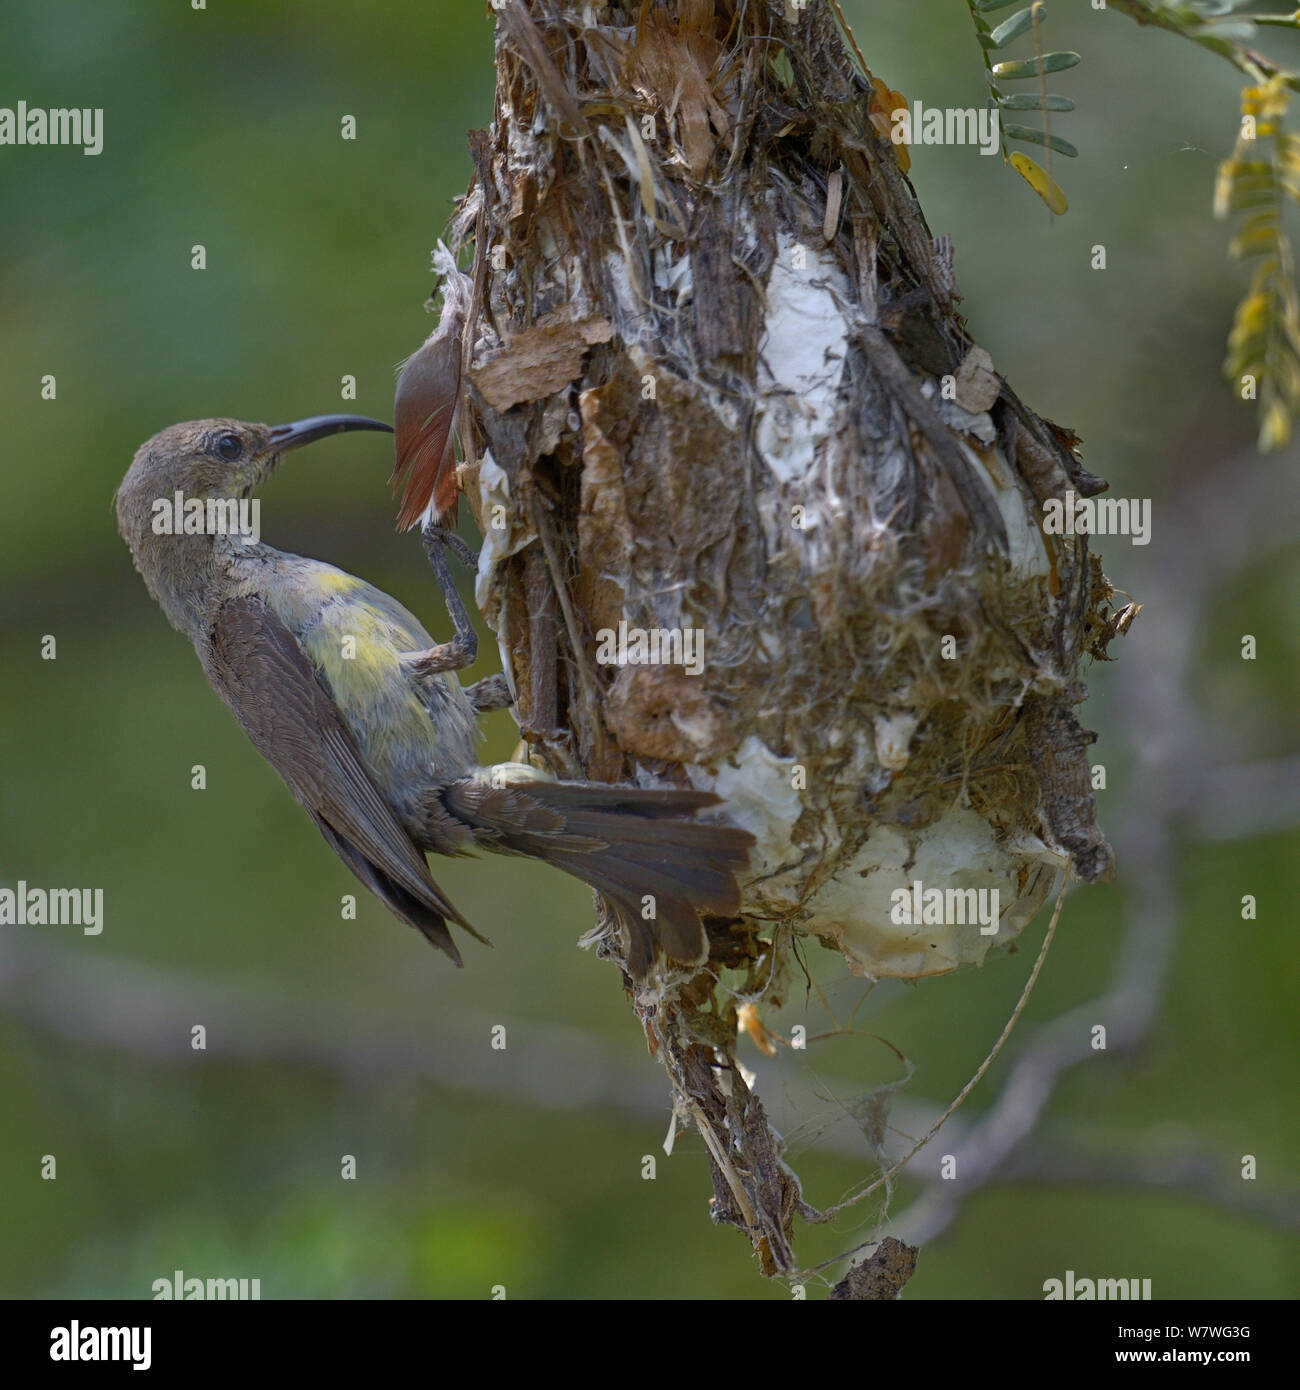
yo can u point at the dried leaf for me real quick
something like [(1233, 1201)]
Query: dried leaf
[(977, 383), (1040, 181), (539, 360)]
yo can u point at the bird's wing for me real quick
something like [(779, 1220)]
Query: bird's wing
[(257, 667), (415, 912)]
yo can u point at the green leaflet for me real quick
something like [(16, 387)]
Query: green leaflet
[(1035, 67), (1031, 101), (1012, 28), (1038, 137)]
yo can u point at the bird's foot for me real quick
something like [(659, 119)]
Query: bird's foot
[(492, 692), (446, 656), (463, 648)]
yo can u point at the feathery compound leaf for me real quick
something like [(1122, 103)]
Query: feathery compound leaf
[(1256, 237), (1263, 356), (1026, 20)]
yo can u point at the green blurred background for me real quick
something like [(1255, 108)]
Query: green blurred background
[(523, 1168)]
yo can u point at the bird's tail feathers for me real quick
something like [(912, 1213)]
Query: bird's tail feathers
[(640, 847)]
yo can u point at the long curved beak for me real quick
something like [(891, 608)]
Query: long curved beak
[(294, 436)]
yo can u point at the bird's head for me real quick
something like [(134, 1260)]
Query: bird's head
[(181, 498)]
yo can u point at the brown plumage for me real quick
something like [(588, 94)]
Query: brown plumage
[(424, 411)]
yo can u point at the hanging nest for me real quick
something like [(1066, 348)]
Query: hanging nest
[(715, 382)]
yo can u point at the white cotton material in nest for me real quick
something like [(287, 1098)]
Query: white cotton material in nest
[(632, 317), (498, 542), (979, 427), (802, 353), (758, 788), (855, 907), (893, 738), (1026, 552), (956, 851), (672, 274)]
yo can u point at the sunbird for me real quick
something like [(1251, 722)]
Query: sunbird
[(361, 713)]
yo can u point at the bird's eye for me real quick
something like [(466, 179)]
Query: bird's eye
[(229, 446)]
